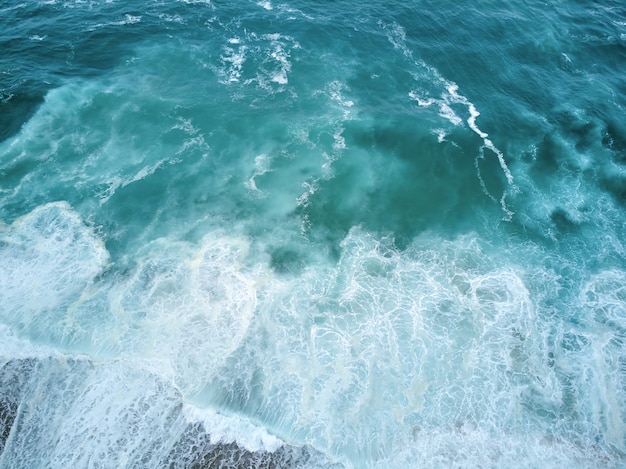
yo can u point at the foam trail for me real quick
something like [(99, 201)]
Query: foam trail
[(445, 102), (471, 121), (452, 97)]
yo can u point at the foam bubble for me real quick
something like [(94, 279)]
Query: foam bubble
[(263, 60), (422, 102), (397, 36), (336, 90), (198, 2), (448, 113), (116, 182), (603, 298)]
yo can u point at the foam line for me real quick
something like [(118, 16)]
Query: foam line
[(445, 102), (397, 36), (471, 121)]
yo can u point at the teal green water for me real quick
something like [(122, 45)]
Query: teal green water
[(310, 233)]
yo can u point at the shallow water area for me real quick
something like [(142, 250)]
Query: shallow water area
[(281, 234)]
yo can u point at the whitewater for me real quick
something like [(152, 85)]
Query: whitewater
[(300, 234)]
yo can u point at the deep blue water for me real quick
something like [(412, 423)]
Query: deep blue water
[(306, 234)]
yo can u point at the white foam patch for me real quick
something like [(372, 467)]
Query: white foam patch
[(198, 2), (483, 185), (442, 350), (233, 60), (441, 135), (114, 413), (448, 113), (5, 97), (228, 429), (265, 57), (309, 190), (397, 36), (451, 97), (277, 66), (117, 182), (262, 165), (48, 260), (198, 301), (390, 352), (138, 408), (467, 446), (172, 18), (603, 297), (282, 58), (336, 90)]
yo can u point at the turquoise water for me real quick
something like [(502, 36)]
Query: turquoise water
[(312, 234)]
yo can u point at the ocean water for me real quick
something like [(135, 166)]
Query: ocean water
[(294, 233)]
